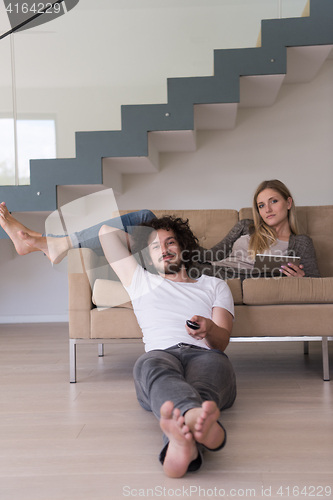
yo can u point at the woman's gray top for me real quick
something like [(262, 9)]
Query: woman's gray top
[(300, 245)]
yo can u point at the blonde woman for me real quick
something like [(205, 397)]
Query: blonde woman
[(273, 230)]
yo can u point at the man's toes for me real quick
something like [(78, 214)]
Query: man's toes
[(176, 414), (209, 407), (166, 409), (186, 431), (180, 421)]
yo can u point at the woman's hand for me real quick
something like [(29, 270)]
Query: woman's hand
[(291, 270)]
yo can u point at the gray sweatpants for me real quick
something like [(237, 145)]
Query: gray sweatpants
[(187, 375)]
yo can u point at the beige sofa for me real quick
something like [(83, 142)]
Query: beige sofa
[(289, 309)]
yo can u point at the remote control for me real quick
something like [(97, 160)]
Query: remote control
[(193, 325)]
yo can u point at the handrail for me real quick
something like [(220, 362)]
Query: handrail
[(27, 21)]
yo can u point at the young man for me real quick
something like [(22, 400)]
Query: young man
[(184, 377)]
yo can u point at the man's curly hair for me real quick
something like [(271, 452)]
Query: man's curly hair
[(187, 241)]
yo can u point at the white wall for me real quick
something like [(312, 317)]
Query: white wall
[(291, 141), (30, 289)]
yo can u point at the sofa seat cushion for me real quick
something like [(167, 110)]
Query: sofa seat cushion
[(288, 291), (116, 323), (108, 293)]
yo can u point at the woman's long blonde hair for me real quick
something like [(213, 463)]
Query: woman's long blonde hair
[(264, 236)]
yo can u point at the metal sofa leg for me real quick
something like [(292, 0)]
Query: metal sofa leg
[(100, 350), (72, 361), (326, 369), (306, 347)]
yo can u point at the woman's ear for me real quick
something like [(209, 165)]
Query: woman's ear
[(289, 202)]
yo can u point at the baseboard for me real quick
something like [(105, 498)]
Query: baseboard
[(34, 319)]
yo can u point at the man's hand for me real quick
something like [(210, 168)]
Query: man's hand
[(215, 331), (202, 331)]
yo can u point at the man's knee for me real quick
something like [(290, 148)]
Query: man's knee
[(215, 367), (143, 364), (153, 363), (147, 215)]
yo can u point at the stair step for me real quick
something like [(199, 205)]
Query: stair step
[(218, 116), (174, 140), (303, 63), (260, 90)]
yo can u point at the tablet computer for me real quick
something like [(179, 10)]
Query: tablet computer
[(270, 264)]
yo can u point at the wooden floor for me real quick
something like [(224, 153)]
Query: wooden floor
[(92, 440)]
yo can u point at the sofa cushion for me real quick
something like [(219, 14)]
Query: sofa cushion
[(317, 222), (235, 286), (288, 291), (116, 323), (107, 293), (245, 213)]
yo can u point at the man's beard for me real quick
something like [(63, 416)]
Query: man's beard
[(171, 267)]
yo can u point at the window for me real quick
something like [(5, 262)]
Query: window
[(36, 139)]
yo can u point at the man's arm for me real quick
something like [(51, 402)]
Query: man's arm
[(215, 331), (116, 244)]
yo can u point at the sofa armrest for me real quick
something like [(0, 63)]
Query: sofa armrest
[(81, 263)]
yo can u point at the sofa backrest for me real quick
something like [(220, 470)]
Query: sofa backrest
[(209, 226), (317, 222)]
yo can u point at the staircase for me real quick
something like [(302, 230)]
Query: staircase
[(288, 51)]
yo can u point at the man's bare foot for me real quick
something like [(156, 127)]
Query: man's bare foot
[(55, 249), (12, 226), (182, 449), (203, 424)]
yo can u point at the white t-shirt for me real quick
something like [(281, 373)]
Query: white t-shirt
[(162, 306)]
